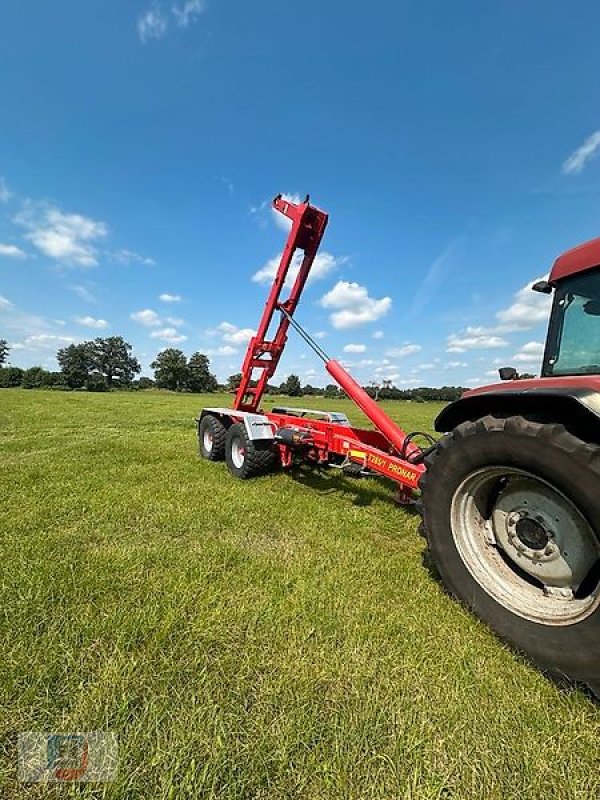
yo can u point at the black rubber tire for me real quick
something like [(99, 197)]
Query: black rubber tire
[(259, 457), (218, 431), (552, 453)]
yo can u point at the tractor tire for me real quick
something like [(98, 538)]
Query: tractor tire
[(211, 438), (512, 516), (247, 458)]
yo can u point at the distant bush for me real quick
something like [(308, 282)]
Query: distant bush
[(10, 377)]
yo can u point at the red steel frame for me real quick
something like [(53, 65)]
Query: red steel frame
[(387, 450)]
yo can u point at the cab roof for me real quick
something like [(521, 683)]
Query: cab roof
[(578, 259)]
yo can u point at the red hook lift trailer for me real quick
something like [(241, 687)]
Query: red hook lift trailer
[(509, 495)]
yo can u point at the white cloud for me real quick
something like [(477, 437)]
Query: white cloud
[(530, 353), (455, 364), (170, 298), (528, 309), (5, 193), (12, 251), (319, 335), (128, 257), (155, 21), (323, 265), (4, 303), (84, 293), (425, 367), (44, 341), (233, 334), (406, 350), (185, 12), (474, 339), (378, 335), (354, 306), (152, 24), (91, 322), (146, 317), (170, 335), (354, 348), (225, 350), (67, 238), (575, 163)]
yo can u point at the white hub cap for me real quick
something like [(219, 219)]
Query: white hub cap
[(238, 453), (207, 441), (526, 544)]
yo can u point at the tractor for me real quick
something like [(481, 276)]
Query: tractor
[(509, 493)]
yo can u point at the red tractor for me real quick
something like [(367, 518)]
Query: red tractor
[(509, 494)]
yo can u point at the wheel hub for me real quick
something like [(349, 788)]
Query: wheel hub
[(526, 544)]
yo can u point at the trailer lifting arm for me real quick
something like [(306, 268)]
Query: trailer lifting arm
[(263, 354), (308, 227)]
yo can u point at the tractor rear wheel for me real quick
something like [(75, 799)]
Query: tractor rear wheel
[(247, 458), (211, 438), (512, 518)]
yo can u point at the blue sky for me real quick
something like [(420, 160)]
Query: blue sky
[(453, 144)]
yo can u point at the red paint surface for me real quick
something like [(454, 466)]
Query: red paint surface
[(584, 256), (591, 382)]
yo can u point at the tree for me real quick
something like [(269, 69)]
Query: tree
[(170, 369), (4, 350), (10, 377), (145, 383), (112, 358), (75, 362), (200, 378), (233, 382), (291, 386), (331, 391), (34, 378)]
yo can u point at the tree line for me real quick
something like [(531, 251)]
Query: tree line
[(108, 363)]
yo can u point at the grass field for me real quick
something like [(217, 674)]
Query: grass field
[(280, 638)]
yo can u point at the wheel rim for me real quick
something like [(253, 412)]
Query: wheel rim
[(526, 545), (207, 441), (238, 453)]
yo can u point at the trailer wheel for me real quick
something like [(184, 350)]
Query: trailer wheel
[(512, 518), (247, 458), (211, 438)]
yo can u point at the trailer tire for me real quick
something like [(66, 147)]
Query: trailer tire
[(482, 477), (247, 458), (211, 438)]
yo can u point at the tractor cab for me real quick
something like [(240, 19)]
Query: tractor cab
[(573, 345)]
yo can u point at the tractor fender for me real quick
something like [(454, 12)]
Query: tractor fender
[(578, 409)]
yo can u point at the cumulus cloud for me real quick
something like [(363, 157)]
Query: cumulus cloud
[(92, 322), (66, 238), (5, 303), (354, 348), (12, 251), (527, 310), (224, 350), (43, 341), (170, 335), (378, 335), (165, 297), (455, 364), (353, 305), (187, 11), (406, 350), (474, 339), (234, 335), (530, 353), (146, 317), (575, 163), (323, 265)]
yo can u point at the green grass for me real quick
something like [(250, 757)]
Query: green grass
[(280, 638)]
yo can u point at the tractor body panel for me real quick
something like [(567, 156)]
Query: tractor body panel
[(574, 401)]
